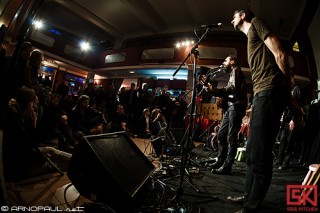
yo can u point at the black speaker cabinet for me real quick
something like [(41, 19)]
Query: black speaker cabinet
[(109, 168)]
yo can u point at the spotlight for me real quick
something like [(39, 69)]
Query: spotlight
[(85, 46), (38, 24)]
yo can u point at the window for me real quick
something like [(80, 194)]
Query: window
[(113, 58), (42, 38)]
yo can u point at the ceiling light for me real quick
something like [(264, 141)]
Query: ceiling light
[(85, 46), (185, 43), (38, 24), (131, 72)]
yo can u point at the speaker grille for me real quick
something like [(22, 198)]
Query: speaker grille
[(108, 167)]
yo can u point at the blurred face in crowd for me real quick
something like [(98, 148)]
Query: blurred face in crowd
[(85, 104), (55, 101), (147, 113), (25, 53), (120, 109)]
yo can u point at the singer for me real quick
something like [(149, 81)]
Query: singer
[(235, 93)]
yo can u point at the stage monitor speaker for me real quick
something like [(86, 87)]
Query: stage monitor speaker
[(109, 168)]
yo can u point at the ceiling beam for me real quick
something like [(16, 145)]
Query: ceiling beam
[(144, 11)]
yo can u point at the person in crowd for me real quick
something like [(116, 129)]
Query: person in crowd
[(158, 121), (143, 100), (179, 111), (90, 90), (145, 127), (163, 102), (311, 129), (22, 157), (31, 77), (84, 120), (119, 121), (63, 90), (235, 92), (101, 99), (131, 106), (292, 122), (111, 102), (53, 124), (13, 74), (122, 96), (271, 86), (244, 129)]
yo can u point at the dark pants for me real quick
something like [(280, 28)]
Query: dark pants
[(264, 125), (228, 134)]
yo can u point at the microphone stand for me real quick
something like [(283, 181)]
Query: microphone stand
[(189, 140)]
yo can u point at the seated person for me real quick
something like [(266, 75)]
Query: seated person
[(85, 120), (144, 127), (21, 155), (53, 124), (118, 122), (158, 121)]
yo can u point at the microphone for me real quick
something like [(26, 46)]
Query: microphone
[(218, 25)]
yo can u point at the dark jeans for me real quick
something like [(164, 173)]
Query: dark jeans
[(264, 125), (228, 134)]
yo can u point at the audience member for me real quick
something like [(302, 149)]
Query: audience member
[(31, 77), (158, 121), (143, 99), (84, 120), (144, 124), (292, 122), (63, 90), (22, 157), (119, 121), (131, 107), (111, 102), (53, 125), (179, 111)]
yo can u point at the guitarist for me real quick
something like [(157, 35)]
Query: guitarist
[(234, 94)]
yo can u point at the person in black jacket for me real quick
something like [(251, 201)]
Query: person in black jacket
[(235, 93), (85, 120), (22, 157), (292, 122)]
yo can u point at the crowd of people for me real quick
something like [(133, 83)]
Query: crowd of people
[(35, 117)]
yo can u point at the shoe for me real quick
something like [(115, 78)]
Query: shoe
[(236, 200), (223, 170)]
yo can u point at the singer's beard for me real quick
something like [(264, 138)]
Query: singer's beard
[(227, 69)]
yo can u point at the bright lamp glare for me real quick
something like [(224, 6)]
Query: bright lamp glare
[(38, 24), (85, 46), (185, 43)]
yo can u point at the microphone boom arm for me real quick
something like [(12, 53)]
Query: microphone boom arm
[(192, 51)]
